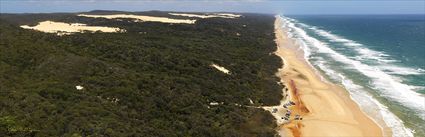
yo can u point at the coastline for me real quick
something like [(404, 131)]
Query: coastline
[(326, 108)]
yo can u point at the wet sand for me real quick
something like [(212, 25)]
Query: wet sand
[(327, 109)]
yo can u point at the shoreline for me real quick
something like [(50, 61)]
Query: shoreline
[(326, 109)]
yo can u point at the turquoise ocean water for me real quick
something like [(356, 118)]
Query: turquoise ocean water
[(379, 59)]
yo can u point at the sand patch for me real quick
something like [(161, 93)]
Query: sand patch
[(78, 87), (141, 18), (62, 28), (220, 68), (217, 15)]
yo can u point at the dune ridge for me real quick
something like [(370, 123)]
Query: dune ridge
[(62, 28), (141, 18), (216, 15)]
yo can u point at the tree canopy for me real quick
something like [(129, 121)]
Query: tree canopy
[(153, 80)]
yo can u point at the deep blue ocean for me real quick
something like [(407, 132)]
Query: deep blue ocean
[(379, 59)]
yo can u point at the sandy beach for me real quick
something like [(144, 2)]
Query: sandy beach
[(326, 109)]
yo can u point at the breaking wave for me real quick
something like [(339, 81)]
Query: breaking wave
[(374, 65)]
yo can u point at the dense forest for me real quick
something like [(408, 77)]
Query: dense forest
[(153, 80)]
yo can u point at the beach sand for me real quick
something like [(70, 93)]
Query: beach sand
[(327, 109)]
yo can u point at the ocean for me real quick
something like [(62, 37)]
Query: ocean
[(379, 59)]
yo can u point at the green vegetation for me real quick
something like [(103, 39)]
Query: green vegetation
[(154, 80)]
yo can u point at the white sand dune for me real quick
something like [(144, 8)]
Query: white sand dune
[(62, 28), (141, 18), (220, 68), (229, 15), (218, 15)]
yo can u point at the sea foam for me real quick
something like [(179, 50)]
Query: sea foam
[(381, 81), (371, 106), (387, 85), (367, 54)]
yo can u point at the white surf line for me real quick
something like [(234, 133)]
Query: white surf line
[(62, 28), (385, 82), (368, 54), (302, 45), (381, 80), (377, 111), (141, 18), (390, 119), (370, 104)]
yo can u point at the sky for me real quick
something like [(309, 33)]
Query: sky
[(258, 6)]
